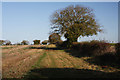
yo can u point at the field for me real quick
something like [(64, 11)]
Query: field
[(46, 61)]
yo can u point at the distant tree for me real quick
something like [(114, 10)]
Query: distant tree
[(53, 38), (45, 42), (25, 42), (2, 42), (73, 22), (7, 42), (36, 42), (18, 43)]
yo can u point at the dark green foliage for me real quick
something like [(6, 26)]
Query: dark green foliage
[(45, 42), (25, 42), (73, 22), (54, 38), (36, 42)]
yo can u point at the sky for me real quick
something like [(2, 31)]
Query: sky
[(119, 22), (31, 20), (60, 0)]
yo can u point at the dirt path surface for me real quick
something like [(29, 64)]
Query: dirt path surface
[(40, 62)]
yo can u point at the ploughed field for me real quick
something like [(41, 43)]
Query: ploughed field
[(46, 61)]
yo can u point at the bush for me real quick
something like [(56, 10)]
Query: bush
[(77, 46), (25, 42), (106, 59), (54, 38), (112, 44), (95, 48), (36, 42), (92, 48), (100, 48), (63, 44), (18, 43), (117, 47), (45, 42), (7, 42), (59, 44), (2, 42)]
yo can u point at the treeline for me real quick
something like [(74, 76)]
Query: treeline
[(53, 39), (5, 42), (24, 42)]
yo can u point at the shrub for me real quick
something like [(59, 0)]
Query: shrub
[(99, 48), (112, 44), (97, 41), (91, 48), (106, 59), (18, 43), (45, 42), (2, 42), (36, 42), (54, 38), (60, 44), (25, 42), (117, 47), (63, 44), (76, 46), (7, 42)]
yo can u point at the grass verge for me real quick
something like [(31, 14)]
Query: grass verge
[(52, 60), (38, 64)]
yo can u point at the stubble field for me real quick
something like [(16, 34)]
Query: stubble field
[(46, 61)]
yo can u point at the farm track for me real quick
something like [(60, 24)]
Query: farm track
[(22, 61)]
